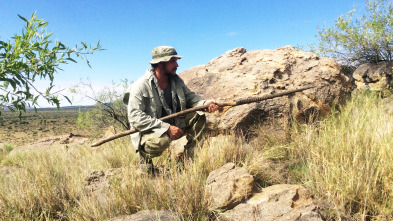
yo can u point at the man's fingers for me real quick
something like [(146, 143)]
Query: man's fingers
[(212, 108), (174, 132)]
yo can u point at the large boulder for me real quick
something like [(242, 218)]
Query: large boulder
[(377, 77), (241, 74), (277, 202)]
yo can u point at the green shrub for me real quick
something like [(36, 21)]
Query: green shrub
[(357, 39), (30, 56)]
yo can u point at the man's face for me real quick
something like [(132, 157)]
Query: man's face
[(170, 67)]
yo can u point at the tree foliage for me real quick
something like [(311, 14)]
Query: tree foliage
[(33, 56), (366, 38), (109, 109)]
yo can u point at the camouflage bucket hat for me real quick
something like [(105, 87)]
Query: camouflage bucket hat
[(163, 54)]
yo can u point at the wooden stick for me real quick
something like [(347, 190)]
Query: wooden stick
[(178, 114), (203, 107)]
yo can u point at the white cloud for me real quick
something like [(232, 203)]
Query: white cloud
[(232, 33)]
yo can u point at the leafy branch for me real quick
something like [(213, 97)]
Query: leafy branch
[(109, 108), (355, 40), (33, 56)]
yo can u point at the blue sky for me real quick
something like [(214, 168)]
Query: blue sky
[(199, 30)]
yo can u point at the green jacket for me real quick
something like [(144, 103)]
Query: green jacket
[(145, 108)]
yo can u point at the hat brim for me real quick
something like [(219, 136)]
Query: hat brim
[(164, 59)]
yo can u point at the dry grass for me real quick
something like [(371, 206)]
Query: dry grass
[(50, 184), (349, 159), (346, 160)]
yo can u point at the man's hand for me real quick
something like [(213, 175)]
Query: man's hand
[(174, 132), (212, 107)]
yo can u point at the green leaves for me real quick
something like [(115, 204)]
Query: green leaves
[(23, 18), (28, 57), (109, 108), (362, 39)]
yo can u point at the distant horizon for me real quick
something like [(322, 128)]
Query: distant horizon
[(55, 108)]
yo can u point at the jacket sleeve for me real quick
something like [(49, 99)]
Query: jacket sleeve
[(138, 117)]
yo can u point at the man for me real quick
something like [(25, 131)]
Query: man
[(161, 92)]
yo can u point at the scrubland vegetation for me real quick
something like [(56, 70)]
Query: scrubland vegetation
[(32, 126), (345, 160)]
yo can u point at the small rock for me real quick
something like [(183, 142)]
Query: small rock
[(376, 77), (98, 180), (148, 215), (228, 186), (177, 146)]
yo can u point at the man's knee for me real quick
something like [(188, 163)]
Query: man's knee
[(154, 146)]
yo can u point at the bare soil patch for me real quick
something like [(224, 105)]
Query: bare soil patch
[(33, 126)]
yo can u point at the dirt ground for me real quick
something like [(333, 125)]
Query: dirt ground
[(34, 126)]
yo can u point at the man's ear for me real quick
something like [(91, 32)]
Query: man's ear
[(160, 66)]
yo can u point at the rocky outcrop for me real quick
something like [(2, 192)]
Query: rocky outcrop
[(64, 141), (228, 186), (231, 195), (278, 202), (231, 189), (377, 77), (241, 74)]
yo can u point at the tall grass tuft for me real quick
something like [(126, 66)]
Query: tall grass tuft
[(349, 158)]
